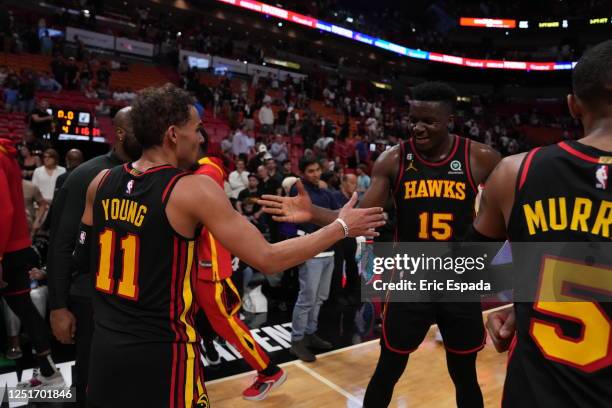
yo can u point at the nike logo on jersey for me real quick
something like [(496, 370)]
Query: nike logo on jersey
[(454, 190), (554, 215)]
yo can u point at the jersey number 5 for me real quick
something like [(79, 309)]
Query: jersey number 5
[(440, 228), (105, 282), (593, 349)]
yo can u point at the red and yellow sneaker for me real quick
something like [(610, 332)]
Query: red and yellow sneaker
[(263, 385)]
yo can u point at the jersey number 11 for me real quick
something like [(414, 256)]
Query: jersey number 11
[(105, 281)]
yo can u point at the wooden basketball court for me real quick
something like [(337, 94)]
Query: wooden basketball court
[(339, 379)]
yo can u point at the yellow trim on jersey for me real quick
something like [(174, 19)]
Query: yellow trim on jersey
[(213, 258), (241, 334), (188, 294), (189, 375), (200, 386)]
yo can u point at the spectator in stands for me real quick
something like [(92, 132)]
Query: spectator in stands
[(361, 149), (45, 176), (4, 73), (314, 275), (27, 89), (46, 44), (272, 168), (80, 48), (475, 131), (268, 184), (103, 91), (72, 74), (46, 83), (85, 76), (281, 121), (246, 203), (35, 145), (90, 92), (28, 161), (248, 111), (258, 159), (363, 180), (36, 206), (11, 98), (266, 117), (238, 179), (286, 169), (279, 150), (103, 74), (241, 142), (40, 120), (58, 68)]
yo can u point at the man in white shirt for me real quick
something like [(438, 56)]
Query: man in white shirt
[(44, 177), (266, 117), (238, 179)]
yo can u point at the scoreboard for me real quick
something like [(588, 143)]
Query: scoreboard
[(76, 125)]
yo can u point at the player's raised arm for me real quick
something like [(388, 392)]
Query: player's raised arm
[(200, 198), (299, 209)]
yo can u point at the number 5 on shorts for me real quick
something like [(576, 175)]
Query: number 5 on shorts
[(593, 350)]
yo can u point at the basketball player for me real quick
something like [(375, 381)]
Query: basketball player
[(69, 290), (141, 222), (433, 178), (220, 300), (561, 355)]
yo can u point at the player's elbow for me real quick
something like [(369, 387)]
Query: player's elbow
[(266, 262)]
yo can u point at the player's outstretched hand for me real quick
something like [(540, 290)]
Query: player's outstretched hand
[(501, 326), (361, 221), (295, 210)]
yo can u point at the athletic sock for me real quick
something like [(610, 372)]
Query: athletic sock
[(270, 370)]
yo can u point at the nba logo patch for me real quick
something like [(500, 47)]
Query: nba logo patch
[(129, 187), (82, 237), (602, 177), (409, 156)]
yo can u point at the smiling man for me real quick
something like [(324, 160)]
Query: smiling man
[(433, 178)]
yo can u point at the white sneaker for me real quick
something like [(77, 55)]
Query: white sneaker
[(39, 381)]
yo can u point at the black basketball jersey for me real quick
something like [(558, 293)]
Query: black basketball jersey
[(434, 200), (562, 353), (144, 269)]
